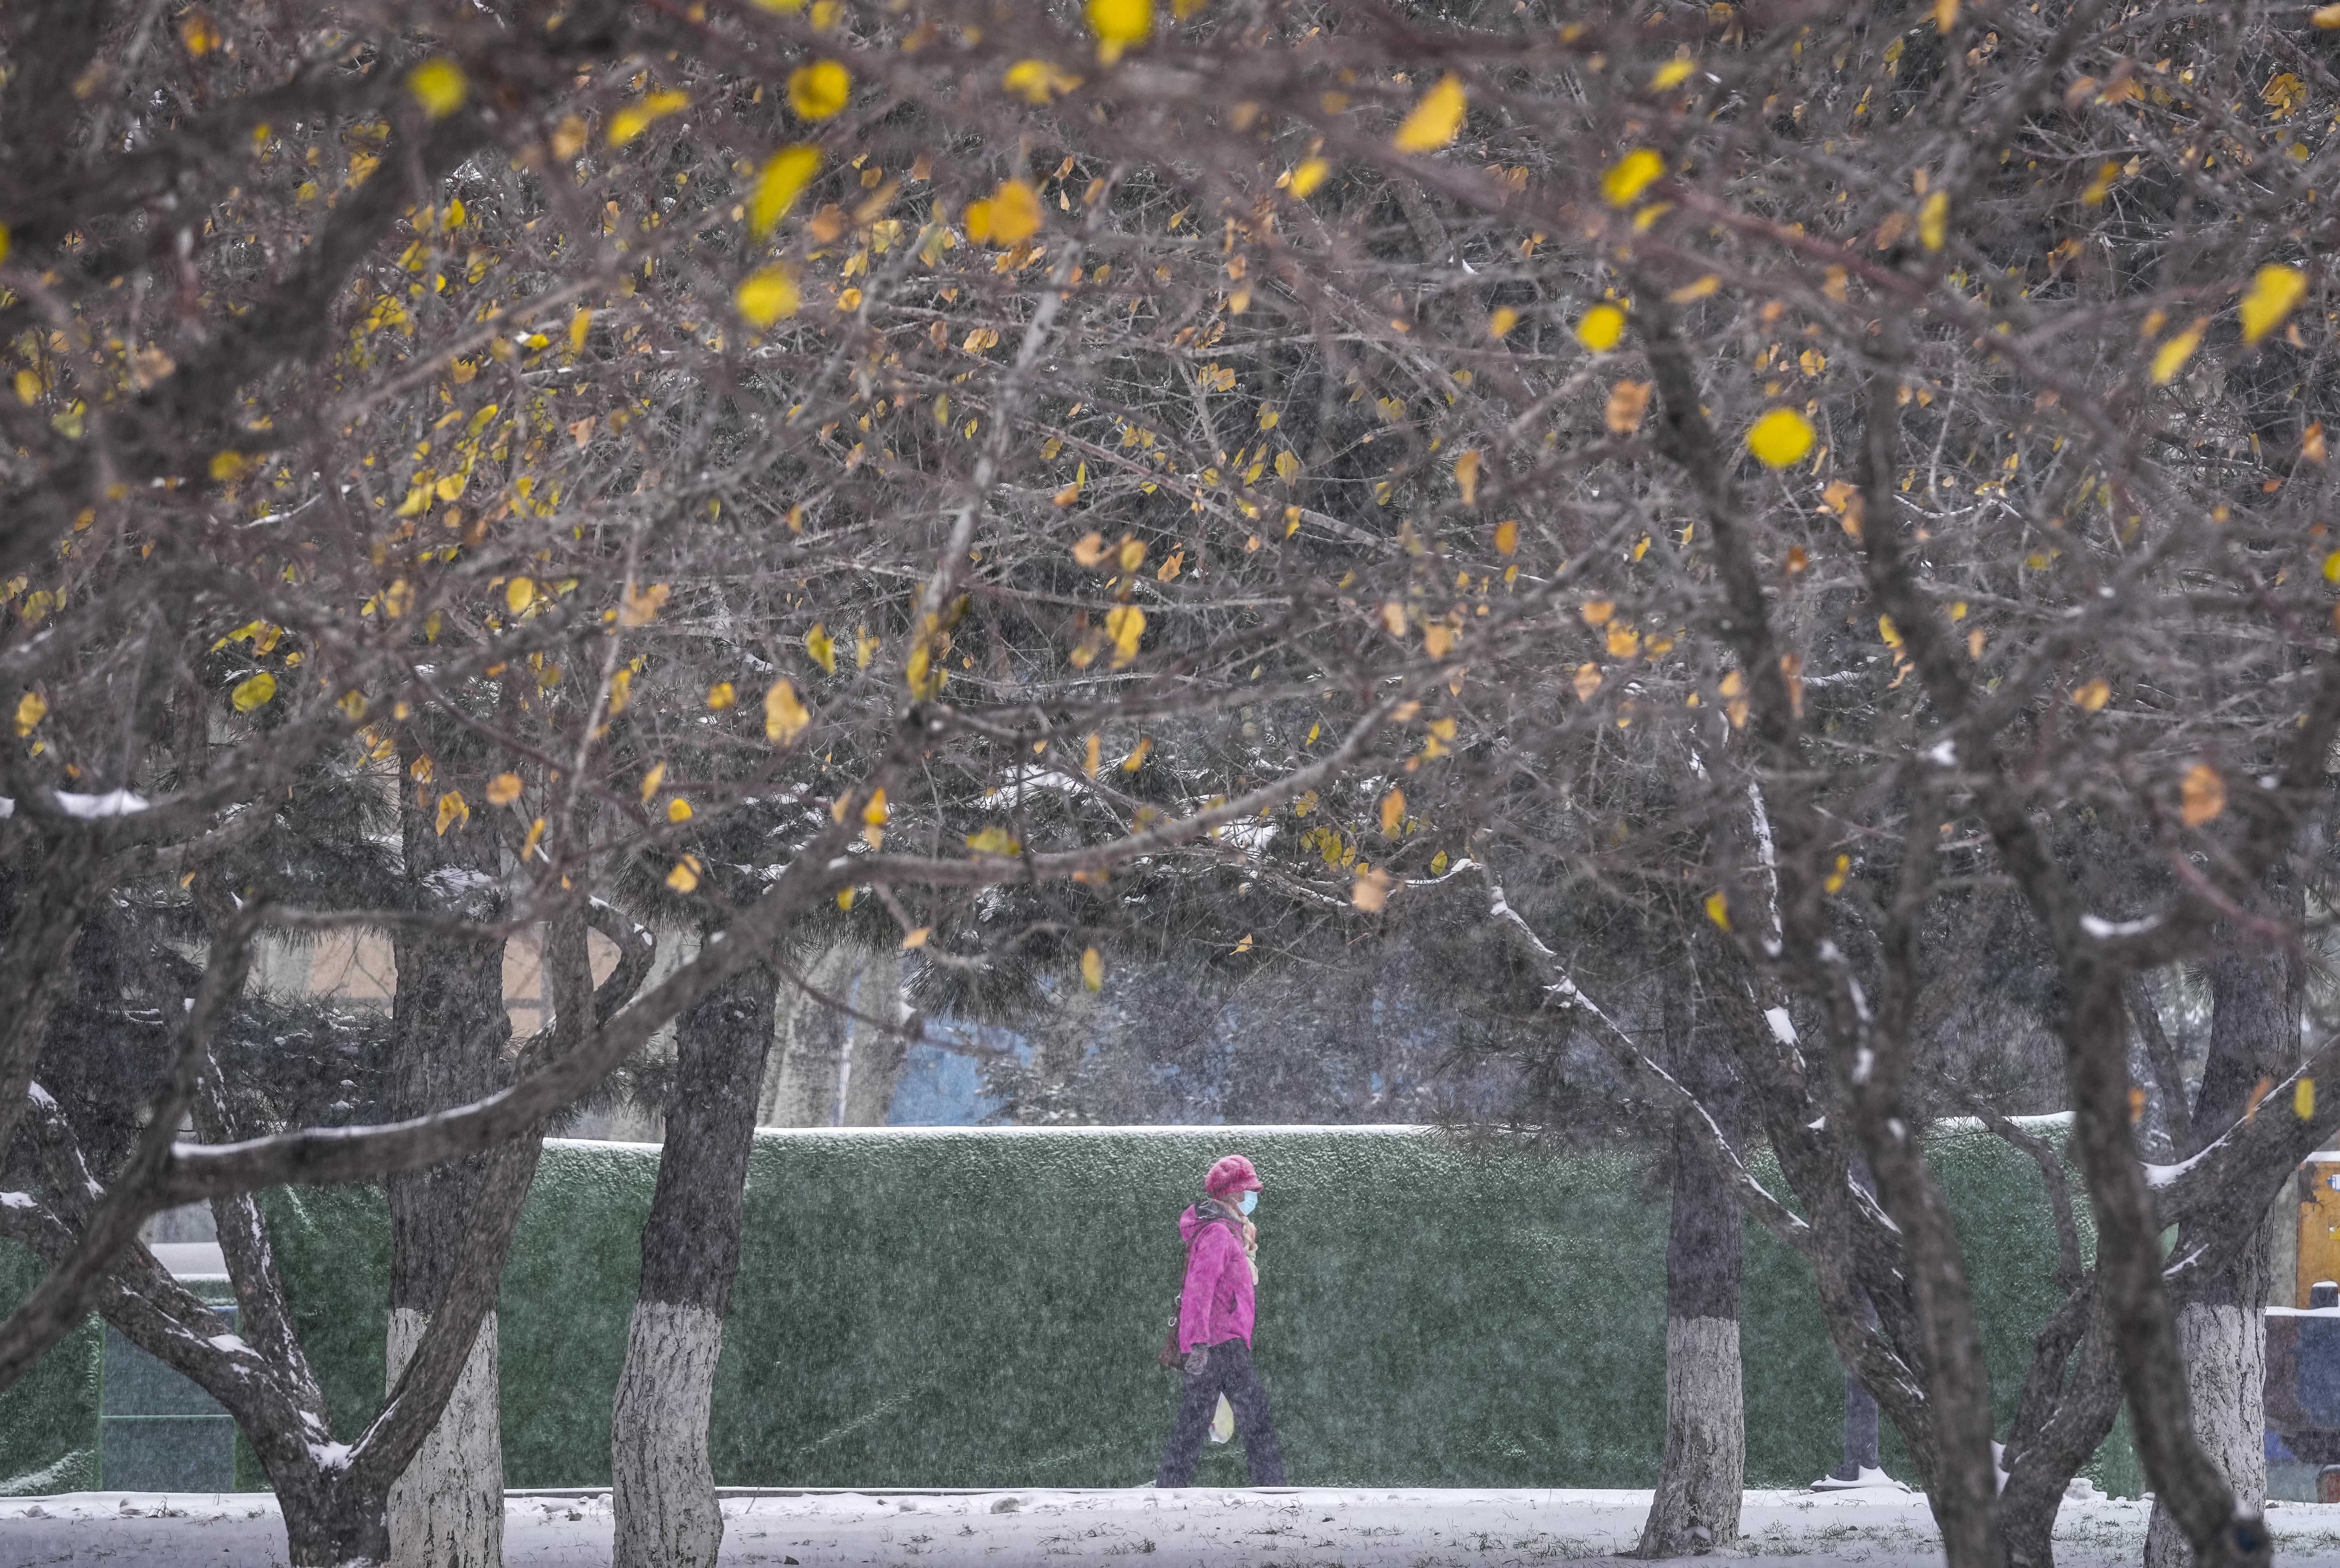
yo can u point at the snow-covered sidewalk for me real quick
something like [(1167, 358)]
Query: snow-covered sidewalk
[(1298, 1527)]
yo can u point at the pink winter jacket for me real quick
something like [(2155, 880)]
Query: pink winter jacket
[(1216, 1303)]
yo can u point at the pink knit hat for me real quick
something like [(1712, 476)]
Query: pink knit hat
[(1233, 1174)]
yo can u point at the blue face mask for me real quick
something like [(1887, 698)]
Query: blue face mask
[(1249, 1202)]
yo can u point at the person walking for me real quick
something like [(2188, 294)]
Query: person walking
[(1214, 1322)]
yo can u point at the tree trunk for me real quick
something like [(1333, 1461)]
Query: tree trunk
[(448, 1032), (2222, 1330), (835, 1069), (1695, 1508), (663, 1487)]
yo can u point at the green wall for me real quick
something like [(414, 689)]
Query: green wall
[(981, 1306)]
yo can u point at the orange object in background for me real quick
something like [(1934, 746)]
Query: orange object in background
[(2319, 1222)]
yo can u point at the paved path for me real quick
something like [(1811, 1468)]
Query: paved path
[(1300, 1527)]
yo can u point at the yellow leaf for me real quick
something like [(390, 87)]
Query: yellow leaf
[(1601, 327), (1500, 321), (1136, 757), (2274, 290), (440, 86), (253, 692), (1631, 174), (2171, 356), (818, 91), (1393, 811), (1306, 176), (1123, 22), (1718, 908), (784, 717), (677, 810), (1244, 946), (845, 897), (1393, 617), (2303, 1100), (1092, 969), (2325, 16), (823, 651), (2201, 795), (1596, 611), (766, 295), (1588, 681), (1466, 476), (1125, 623), (1837, 876), (1780, 438), (916, 939), (1627, 402), (519, 594), (1435, 119), (1370, 890), (651, 781), (1014, 213), (30, 710), (635, 118), (2092, 697), (199, 33), (1089, 550), (1089, 764), (684, 877), (1623, 641), (451, 810), (993, 840), (1507, 536), (642, 606), (1672, 73), (1037, 81), (778, 183), (1934, 221), (2332, 567), (535, 837), (504, 788)]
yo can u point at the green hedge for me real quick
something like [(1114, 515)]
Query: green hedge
[(981, 1306)]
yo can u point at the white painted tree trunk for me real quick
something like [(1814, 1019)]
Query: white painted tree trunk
[(2224, 1349), (448, 1510), (664, 1480), (1696, 1507)]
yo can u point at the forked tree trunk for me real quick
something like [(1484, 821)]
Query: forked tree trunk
[(449, 1031), (2222, 1330), (663, 1481), (1695, 1509)]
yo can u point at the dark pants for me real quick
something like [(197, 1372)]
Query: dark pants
[(1230, 1372)]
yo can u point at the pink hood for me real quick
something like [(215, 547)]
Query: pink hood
[(1216, 1304)]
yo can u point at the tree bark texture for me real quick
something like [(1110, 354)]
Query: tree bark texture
[(833, 1068), (663, 1484), (1695, 1507), (2221, 1331), (448, 1510), (449, 1036)]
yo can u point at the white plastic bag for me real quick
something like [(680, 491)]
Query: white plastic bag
[(1223, 1421)]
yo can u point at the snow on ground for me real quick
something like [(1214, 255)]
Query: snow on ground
[(1297, 1527)]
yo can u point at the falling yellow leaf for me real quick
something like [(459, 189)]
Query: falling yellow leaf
[(30, 710), (632, 120), (1718, 908), (1124, 625), (1837, 876), (1393, 618), (767, 295), (823, 651), (199, 33), (1601, 327), (1627, 402), (2274, 290), (1089, 765), (1092, 969), (913, 940), (1393, 811), (994, 839), (642, 607), (1623, 641), (2325, 16), (1122, 22), (1306, 175), (818, 91), (778, 183), (1037, 81), (1934, 221), (440, 86), (451, 810), (1507, 536), (677, 810), (1588, 681), (504, 788), (1672, 73), (1435, 119), (784, 717), (535, 837), (1244, 946), (1466, 476), (1370, 890), (2093, 696), (253, 692), (1089, 550), (519, 594), (1596, 611), (1631, 174), (720, 695), (1014, 213), (1136, 757), (2171, 356), (2201, 795), (874, 815), (684, 877), (1780, 438), (1500, 321)]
